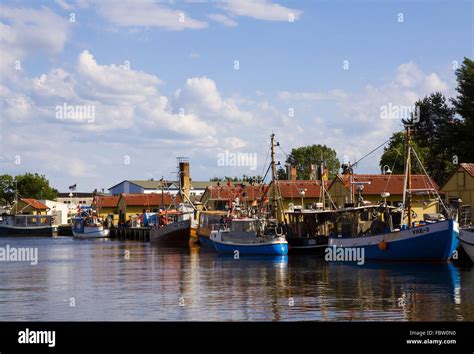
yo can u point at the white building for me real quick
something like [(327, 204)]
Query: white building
[(58, 210)]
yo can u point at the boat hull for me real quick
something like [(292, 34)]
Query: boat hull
[(466, 239), (43, 231), (91, 232), (270, 249), (175, 235), (306, 245), (434, 242)]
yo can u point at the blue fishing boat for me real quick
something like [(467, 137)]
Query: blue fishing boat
[(387, 233), (249, 236), (424, 241)]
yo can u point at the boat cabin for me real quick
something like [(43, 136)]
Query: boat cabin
[(27, 220)]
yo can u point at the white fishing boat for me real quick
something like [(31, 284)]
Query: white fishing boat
[(88, 227)]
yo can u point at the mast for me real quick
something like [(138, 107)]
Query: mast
[(408, 175), (274, 197)]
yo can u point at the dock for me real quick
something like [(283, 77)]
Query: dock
[(141, 234)]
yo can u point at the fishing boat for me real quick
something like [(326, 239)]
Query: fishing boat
[(380, 234), (307, 230), (88, 227), (172, 230), (466, 239), (252, 231), (250, 236), (26, 225)]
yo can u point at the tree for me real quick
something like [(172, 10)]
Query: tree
[(394, 155), (7, 186), (29, 186), (434, 136), (464, 106), (281, 174), (436, 132), (305, 156)]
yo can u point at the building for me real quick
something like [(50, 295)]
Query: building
[(75, 198), (197, 188), (304, 193), (107, 207), (217, 197), (130, 205), (29, 206), (58, 210), (460, 185), (371, 187)]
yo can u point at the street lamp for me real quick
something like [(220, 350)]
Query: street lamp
[(302, 193), (387, 170)]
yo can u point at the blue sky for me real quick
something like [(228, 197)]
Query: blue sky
[(188, 65)]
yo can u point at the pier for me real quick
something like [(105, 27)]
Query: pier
[(141, 234)]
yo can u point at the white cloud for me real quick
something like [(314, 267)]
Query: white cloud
[(201, 96), (223, 19), (260, 9), (147, 13), (26, 32)]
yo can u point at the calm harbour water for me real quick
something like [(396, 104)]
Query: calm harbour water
[(196, 285)]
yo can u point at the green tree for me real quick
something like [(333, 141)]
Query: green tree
[(305, 156), (34, 186), (7, 186), (394, 155), (436, 133), (464, 106), (281, 173)]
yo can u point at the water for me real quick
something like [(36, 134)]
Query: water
[(192, 285)]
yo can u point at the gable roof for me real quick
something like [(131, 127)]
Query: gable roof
[(291, 189), (34, 203), (105, 201), (469, 167), (392, 184), (226, 192), (150, 199)]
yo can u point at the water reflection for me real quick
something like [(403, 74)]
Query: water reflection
[(111, 280)]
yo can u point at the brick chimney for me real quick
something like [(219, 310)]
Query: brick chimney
[(293, 173)]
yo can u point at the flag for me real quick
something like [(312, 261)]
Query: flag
[(73, 187)]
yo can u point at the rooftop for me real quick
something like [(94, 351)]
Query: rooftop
[(392, 184)]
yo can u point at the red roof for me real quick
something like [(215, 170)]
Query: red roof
[(104, 201), (469, 167), (392, 184), (291, 189), (34, 203), (150, 199), (245, 192)]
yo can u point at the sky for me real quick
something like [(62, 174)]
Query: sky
[(96, 92)]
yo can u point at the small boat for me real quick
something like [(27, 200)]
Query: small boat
[(26, 225), (466, 239), (88, 227), (249, 236)]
